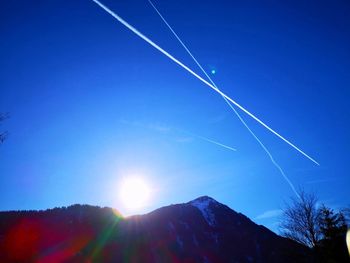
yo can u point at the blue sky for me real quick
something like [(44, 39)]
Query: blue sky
[(91, 103)]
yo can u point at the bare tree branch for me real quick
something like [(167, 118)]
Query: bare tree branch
[(300, 220)]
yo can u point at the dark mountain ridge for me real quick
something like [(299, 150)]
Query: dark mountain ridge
[(202, 230)]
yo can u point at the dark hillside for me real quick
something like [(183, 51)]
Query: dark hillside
[(202, 230)]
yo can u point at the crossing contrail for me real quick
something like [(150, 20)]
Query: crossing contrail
[(229, 104), (138, 33)]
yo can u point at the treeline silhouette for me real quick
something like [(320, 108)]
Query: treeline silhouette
[(177, 233), (54, 235), (317, 226)]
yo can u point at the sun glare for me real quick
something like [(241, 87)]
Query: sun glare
[(134, 193)]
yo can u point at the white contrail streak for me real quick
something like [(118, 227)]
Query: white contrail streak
[(161, 129), (228, 103), (217, 143), (138, 33), (209, 140)]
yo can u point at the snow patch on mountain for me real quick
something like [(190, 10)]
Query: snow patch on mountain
[(180, 242), (171, 227), (195, 241), (187, 227), (203, 204)]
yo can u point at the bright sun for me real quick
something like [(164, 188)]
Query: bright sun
[(134, 193)]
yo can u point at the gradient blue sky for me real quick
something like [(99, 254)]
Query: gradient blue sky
[(91, 103)]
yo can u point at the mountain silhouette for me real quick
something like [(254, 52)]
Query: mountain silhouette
[(202, 230)]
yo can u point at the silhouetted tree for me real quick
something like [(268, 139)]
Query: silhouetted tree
[(332, 246), (300, 220), (346, 213), (332, 224), (318, 227)]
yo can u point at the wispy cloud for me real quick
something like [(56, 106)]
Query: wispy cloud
[(310, 169), (318, 181), (217, 119), (269, 214), (129, 122), (156, 126), (169, 130), (184, 139), (159, 127)]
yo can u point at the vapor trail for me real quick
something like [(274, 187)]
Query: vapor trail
[(217, 143), (138, 33), (155, 128), (228, 103), (209, 140)]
